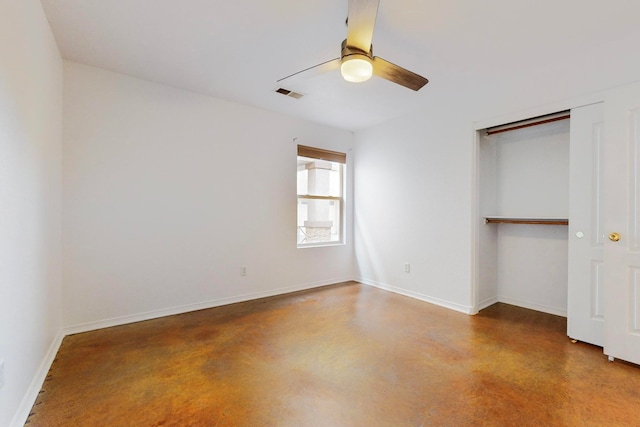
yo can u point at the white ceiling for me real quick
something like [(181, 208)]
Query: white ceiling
[(236, 50)]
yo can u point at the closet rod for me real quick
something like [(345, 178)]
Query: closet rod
[(520, 125), (541, 221)]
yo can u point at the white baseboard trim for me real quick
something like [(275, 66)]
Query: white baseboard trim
[(22, 413), (123, 320), (487, 303), (432, 300), (533, 306)]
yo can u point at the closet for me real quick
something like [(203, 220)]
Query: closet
[(558, 219), (524, 212)]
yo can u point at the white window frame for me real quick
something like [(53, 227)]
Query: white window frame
[(330, 156)]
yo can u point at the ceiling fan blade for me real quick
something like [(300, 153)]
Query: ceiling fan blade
[(360, 23), (327, 66), (396, 74)]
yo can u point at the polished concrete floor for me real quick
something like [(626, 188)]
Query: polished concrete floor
[(345, 355)]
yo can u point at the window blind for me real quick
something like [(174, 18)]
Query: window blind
[(320, 154)]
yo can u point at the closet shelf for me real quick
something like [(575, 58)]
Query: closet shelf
[(519, 220)]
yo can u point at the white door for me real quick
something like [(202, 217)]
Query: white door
[(585, 310), (621, 210)]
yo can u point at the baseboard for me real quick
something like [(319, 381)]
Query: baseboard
[(139, 317), (21, 415), (432, 300), (487, 303), (532, 306)]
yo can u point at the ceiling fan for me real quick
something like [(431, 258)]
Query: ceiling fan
[(356, 62)]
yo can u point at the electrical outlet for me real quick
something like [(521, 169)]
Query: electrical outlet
[(1, 374), (243, 271), (407, 267)]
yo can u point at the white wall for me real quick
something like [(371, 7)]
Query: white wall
[(415, 175), (30, 207), (168, 193), (532, 263), (487, 234), (532, 176), (412, 205)]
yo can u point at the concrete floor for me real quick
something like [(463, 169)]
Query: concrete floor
[(345, 355)]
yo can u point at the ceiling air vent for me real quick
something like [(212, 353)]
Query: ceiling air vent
[(290, 93)]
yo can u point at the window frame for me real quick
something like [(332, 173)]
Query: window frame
[(334, 157)]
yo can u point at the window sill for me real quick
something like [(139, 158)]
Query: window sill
[(319, 245)]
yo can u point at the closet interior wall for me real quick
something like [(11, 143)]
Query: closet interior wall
[(524, 173)]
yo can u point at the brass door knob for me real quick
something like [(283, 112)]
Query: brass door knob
[(614, 237)]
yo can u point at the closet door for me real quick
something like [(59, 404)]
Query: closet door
[(585, 310), (622, 224)]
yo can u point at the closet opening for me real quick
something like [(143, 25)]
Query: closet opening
[(523, 214)]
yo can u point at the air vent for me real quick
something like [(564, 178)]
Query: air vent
[(290, 93)]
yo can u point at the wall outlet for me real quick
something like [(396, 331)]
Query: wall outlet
[(407, 267), (1, 374), (243, 271)]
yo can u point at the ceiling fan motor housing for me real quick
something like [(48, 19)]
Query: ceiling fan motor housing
[(350, 50)]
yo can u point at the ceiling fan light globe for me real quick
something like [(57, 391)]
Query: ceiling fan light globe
[(356, 68)]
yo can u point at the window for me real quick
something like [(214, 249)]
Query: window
[(320, 196)]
